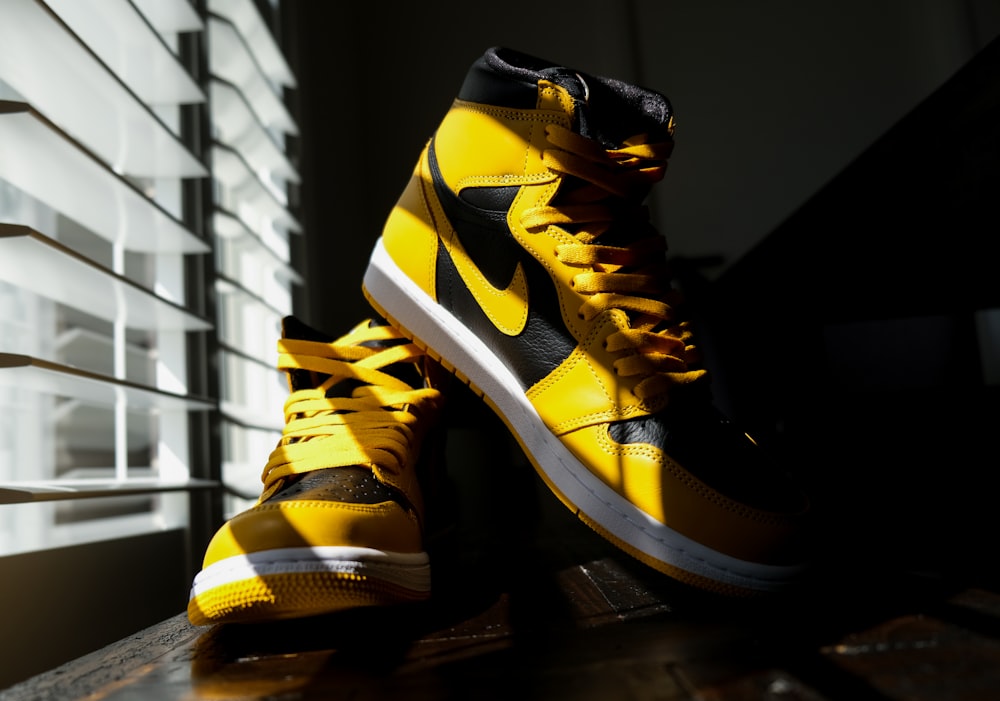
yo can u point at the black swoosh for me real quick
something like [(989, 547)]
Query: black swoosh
[(545, 341)]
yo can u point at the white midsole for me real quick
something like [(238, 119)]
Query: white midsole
[(409, 570), (431, 323)]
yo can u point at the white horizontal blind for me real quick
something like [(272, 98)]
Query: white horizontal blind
[(253, 224), (94, 324)]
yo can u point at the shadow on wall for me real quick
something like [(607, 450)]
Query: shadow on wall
[(771, 103), (859, 339), (847, 338)]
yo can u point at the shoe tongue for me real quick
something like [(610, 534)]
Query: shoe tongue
[(610, 111), (295, 328), (407, 372)]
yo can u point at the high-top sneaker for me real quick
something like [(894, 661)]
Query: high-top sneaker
[(340, 522), (522, 255)]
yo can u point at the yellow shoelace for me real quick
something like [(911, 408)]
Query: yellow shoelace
[(634, 278), (373, 426)]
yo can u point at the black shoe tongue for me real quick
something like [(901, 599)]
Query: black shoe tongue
[(295, 328), (612, 112), (407, 372), (615, 111), (574, 83), (608, 110)]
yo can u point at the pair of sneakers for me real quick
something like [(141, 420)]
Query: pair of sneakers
[(520, 258)]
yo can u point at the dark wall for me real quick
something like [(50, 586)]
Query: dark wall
[(772, 101), (860, 337), (830, 206)]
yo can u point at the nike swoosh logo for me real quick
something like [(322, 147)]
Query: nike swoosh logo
[(506, 307)]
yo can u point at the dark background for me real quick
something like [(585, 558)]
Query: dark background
[(831, 211)]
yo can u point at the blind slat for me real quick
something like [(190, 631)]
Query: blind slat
[(171, 16), (230, 228), (40, 159), (35, 262), (232, 60), (239, 128), (38, 375), (127, 44), (62, 78), (251, 198), (245, 18), (25, 493)]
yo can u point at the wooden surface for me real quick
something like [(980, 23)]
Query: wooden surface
[(567, 617), (529, 604), (595, 631)]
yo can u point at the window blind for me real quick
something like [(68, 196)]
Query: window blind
[(254, 227), (95, 359)]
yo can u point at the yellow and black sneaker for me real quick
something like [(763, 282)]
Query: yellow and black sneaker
[(521, 254), (340, 522)]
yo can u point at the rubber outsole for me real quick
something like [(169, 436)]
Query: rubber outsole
[(300, 582)]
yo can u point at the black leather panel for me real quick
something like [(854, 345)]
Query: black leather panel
[(539, 348), (705, 443), (545, 342), (349, 485), (483, 232)]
